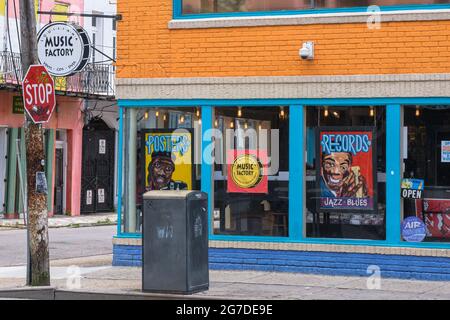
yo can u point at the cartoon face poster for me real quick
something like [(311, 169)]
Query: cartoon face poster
[(168, 159), (346, 173)]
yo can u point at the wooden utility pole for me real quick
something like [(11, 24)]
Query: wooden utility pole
[(34, 138)]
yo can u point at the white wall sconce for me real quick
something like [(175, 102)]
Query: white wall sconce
[(307, 50)]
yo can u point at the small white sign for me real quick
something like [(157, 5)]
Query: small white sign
[(445, 151), (102, 146), (101, 195), (89, 197)]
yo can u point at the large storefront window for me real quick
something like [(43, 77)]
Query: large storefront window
[(160, 148), (218, 6), (346, 172), (251, 172), (426, 157)]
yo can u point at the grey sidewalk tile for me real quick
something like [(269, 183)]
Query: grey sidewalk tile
[(300, 279), (395, 285)]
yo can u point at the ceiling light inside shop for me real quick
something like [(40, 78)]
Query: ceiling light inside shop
[(282, 114), (417, 112), (146, 115), (239, 113)]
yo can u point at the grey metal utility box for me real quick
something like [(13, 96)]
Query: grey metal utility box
[(175, 242)]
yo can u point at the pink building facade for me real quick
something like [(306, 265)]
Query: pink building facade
[(64, 132)]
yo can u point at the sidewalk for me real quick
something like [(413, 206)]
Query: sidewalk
[(89, 220), (99, 280)]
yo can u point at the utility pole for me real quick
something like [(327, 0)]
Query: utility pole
[(34, 138)]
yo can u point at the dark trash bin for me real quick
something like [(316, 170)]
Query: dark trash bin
[(175, 242)]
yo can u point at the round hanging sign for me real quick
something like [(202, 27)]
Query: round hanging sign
[(63, 48)]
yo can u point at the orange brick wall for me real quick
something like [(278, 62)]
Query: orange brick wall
[(148, 49)]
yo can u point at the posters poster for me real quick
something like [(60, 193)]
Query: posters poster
[(168, 159), (247, 171), (445, 151), (346, 174)]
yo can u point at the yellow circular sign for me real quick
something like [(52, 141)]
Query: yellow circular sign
[(246, 171)]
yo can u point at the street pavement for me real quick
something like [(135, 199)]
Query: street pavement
[(95, 278), (81, 264), (64, 243)]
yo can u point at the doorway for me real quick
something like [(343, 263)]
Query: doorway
[(60, 173), (3, 164), (97, 186)]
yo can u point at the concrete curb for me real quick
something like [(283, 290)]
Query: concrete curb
[(52, 293), (73, 225)]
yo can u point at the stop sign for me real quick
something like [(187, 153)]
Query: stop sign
[(38, 94)]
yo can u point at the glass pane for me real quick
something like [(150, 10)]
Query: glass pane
[(251, 178), (211, 6), (345, 172), (156, 157), (426, 156)]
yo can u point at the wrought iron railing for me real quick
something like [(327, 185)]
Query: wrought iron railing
[(95, 80)]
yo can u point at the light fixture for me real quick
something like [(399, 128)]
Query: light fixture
[(282, 114), (146, 115), (199, 121), (232, 124), (164, 117), (157, 114), (417, 111), (372, 111), (245, 125), (325, 112), (259, 127), (239, 113), (216, 123), (336, 114), (198, 112), (182, 119)]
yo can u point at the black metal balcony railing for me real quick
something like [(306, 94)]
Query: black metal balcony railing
[(95, 81)]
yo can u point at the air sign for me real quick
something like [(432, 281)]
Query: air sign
[(63, 48)]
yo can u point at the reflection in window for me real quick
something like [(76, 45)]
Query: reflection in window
[(426, 156), (217, 6), (251, 178), (345, 172)]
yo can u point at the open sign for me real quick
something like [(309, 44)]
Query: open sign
[(412, 188)]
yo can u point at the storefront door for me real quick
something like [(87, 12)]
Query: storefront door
[(59, 181), (3, 151)]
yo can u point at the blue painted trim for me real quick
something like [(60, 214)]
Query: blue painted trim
[(147, 103), (119, 173), (128, 236), (177, 14), (207, 168), (296, 171), (393, 173)]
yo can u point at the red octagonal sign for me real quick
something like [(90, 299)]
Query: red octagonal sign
[(38, 94)]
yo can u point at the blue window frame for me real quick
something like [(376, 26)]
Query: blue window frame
[(296, 203), (178, 10)]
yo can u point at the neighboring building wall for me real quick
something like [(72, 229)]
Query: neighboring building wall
[(67, 116), (147, 48), (104, 32)]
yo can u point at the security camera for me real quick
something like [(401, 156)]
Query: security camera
[(307, 50)]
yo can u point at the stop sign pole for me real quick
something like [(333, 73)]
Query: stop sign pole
[(39, 107)]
